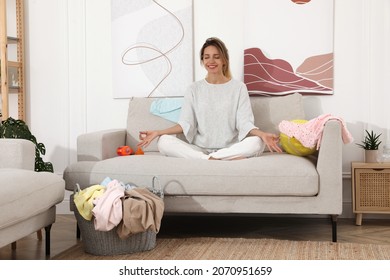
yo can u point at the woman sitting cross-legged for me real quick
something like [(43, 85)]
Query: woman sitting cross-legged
[(216, 116)]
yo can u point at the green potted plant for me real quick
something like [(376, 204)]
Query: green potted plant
[(370, 144), (11, 128)]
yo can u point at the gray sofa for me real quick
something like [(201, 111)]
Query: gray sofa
[(28, 199), (270, 184)]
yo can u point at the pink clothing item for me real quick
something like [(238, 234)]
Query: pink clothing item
[(108, 207), (310, 133)]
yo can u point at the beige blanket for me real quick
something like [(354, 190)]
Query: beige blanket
[(142, 211)]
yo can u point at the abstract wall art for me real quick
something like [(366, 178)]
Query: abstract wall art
[(152, 47), (288, 47)]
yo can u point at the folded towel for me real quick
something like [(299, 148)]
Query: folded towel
[(167, 108)]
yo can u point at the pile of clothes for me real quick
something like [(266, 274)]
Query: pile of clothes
[(129, 208)]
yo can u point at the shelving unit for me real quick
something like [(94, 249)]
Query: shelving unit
[(12, 70)]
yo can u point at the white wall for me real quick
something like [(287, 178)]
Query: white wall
[(69, 70)]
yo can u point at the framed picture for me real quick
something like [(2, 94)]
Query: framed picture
[(152, 47), (288, 47)]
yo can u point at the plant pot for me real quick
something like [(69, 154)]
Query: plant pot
[(371, 155)]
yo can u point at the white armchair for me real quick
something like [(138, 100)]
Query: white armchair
[(27, 198)]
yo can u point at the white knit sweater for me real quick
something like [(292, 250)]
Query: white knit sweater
[(215, 116)]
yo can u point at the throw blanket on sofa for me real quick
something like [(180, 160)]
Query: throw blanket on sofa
[(167, 108), (310, 133)]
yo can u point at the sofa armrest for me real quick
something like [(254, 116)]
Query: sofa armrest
[(17, 153), (100, 145), (329, 164)]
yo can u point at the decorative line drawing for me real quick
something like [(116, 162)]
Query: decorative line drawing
[(264, 76), (160, 54)]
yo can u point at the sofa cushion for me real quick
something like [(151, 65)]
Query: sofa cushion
[(139, 119), (26, 193), (292, 145), (270, 111), (269, 175)]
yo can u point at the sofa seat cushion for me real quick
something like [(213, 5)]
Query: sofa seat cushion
[(271, 174), (26, 193)]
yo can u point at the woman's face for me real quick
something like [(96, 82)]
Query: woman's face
[(212, 60)]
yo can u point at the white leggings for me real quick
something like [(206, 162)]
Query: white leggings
[(249, 147)]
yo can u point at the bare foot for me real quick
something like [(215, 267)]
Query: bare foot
[(238, 158), (211, 158)]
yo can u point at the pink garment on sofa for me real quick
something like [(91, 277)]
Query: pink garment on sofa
[(310, 133), (108, 207)]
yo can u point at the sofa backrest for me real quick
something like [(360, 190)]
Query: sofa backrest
[(268, 113)]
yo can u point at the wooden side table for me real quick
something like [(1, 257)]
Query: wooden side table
[(370, 189)]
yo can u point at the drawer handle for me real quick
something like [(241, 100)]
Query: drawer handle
[(378, 169)]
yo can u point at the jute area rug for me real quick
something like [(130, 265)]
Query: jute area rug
[(211, 248)]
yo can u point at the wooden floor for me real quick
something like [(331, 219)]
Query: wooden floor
[(63, 234)]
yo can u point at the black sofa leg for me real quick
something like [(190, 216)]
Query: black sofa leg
[(47, 241), (334, 228), (78, 234)]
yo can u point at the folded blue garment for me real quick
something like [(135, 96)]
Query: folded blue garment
[(167, 108)]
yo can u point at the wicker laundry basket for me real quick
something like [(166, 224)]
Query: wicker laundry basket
[(106, 243)]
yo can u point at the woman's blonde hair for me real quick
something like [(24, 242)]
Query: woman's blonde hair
[(213, 41)]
